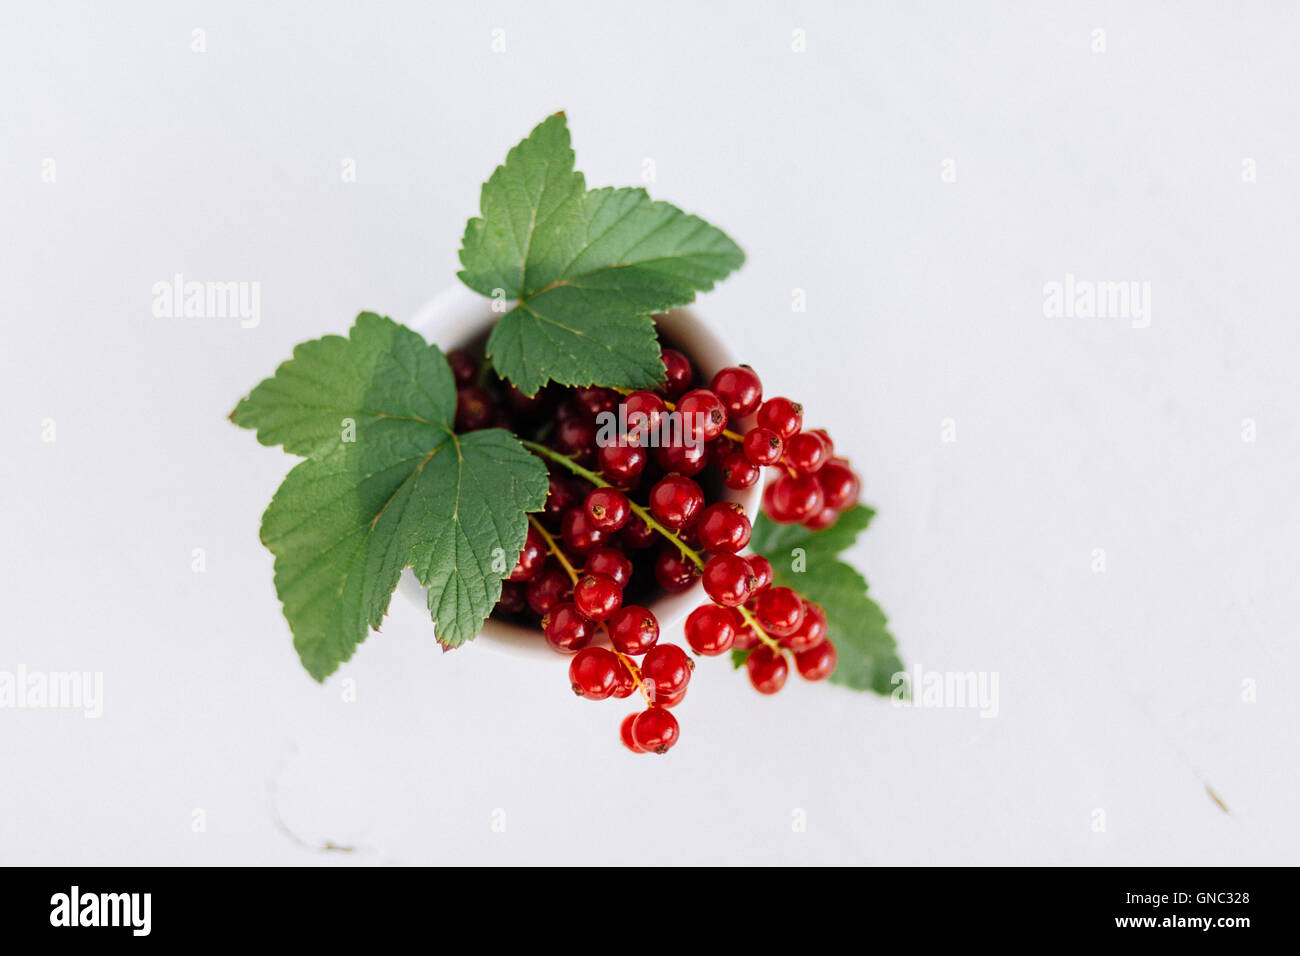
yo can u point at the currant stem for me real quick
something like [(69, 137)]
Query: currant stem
[(645, 515), (554, 548)]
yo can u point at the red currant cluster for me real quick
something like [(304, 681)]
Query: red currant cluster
[(613, 499)]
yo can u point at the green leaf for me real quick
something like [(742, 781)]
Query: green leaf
[(738, 658), (587, 269), (386, 484), (868, 653)]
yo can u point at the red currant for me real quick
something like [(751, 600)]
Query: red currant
[(740, 390), (621, 463), (597, 596), (704, 417), (682, 458), (596, 400), (723, 526), (655, 730), (626, 685), (514, 598), (821, 520), (779, 611), (719, 450), (679, 371), (729, 580), (634, 630), (711, 630), (463, 367), (562, 495), (793, 498), (580, 535), (644, 413), (817, 663), (763, 446), (671, 700), (566, 629), (767, 669), (530, 556), (625, 734), (839, 484), (547, 588), (674, 572), (782, 416), (638, 534), (675, 501), (762, 569), (739, 472), (666, 668), (746, 638), (806, 452), (825, 436), (607, 509), (593, 672), (610, 561), (475, 408), (810, 632)]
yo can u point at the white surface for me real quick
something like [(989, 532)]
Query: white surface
[(1120, 691)]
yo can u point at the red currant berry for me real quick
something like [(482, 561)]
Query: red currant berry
[(704, 417), (580, 535), (674, 572), (738, 472), (719, 450), (530, 556), (682, 459), (625, 734), (621, 463), (793, 498), (825, 436), (723, 526), (655, 730), (767, 669), (597, 596), (711, 630), (644, 414), (810, 632), (547, 588), (638, 534), (576, 436), (763, 446), (728, 580), (762, 569), (779, 611), (679, 371), (475, 408), (782, 416), (675, 501), (671, 700), (634, 630), (596, 400), (562, 495), (610, 561), (566, 629), (626, 684), (666, 668), (526, 406), (821, 520), (740, 390), (839, 484), (514, 598), (593, 672), (607, 509), (746, 638), (463, 367), (806, 452), (817, 663)]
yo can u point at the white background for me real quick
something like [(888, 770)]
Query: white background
[(1120, 692)]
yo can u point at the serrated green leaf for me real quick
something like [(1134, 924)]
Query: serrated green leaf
[(587, 269), (386, 484), (770, 538), (738, 658)]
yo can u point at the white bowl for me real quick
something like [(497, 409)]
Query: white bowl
[(458, 318)]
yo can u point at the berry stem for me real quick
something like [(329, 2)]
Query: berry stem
[(649, 519), (554, 548)]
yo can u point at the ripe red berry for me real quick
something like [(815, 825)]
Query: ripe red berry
[(782, 416), (767, 669), (621, 464), (596, 400), (626, 684), (634, 630), (779, 611), (530, 556), (729, 580), (655, 730), (821, 520), (762, 569), (679, 371), (475, 408), (597, 596), (793, 498), (666, 668), (671, 700), (719, 450), (746, 638), (839, 484), (818, 662), (825, 436), (723, 526), (576, 435), (514, 598), (810, 632), (637, 534), (580, 535), (625, 734), (675, 501), (763, 446), (739, 472), (704, 417), (644, 414), (593, 673), (711, 630), (566, 629), (806, 452), (740, 390), (607, 508), (674, 572), (463, 367), (547, 588), (610, 561), (682, 458), (560, 497)]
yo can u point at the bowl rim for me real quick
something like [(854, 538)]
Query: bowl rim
[(456, 317)]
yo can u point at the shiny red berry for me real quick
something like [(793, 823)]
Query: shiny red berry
[(667, 668), (621, 464), (806, 452), (767, 669), (637, 534), (634, 630), (738, 472), (626, 684), (596, 400), (682, 458), (703, 415), (762, 569), (610, 561), (723, 526), (597, 596), (530, 556), (607, 508), (575, 435), (655, 730), (625, 734), (580, 535), (547, 588), (782, 416), (763, 446), (643, 413), (711, 630), (728, 580), (779, 610), (740, 390), (817, 663), (821, 520), (593, 673), (810, 632), (561, 496), (514, 598), (675, 501), (475, 408), (679, 371), (566, 629), (793, 498), (839, 484), (674, 572)]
